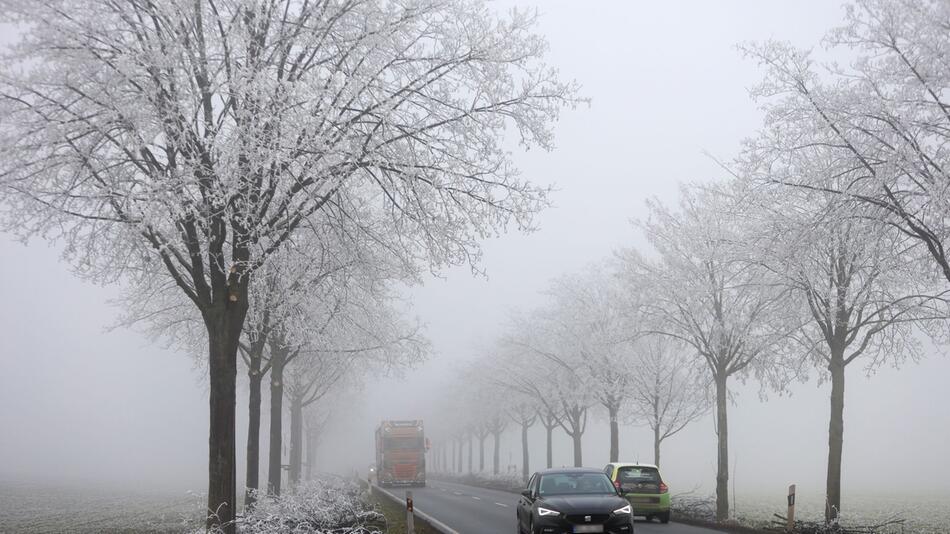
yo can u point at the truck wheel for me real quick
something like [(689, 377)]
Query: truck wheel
[(665, 517)]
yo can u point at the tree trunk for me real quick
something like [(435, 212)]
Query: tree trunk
[(224, 330), (311, 452), (722, 432), (524, 453), (481, 454), (471, 449), (496, 456), (550, 430), (578, 456), (835, 438), (276, 414), (614, 434), (296, 440), (461, 452), (656, 445), (253, 432)]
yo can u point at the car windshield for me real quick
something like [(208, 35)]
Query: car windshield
[(638, 478), (574, 484)]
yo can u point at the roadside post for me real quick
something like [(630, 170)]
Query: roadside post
[(790, 526), (410, 522)]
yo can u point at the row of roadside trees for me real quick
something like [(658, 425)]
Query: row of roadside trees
[(263, 176), (824, 251)]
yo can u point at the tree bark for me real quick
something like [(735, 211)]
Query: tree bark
[(311, 452), (656, 445), (496, 456), (550, 430), (524, 453), (224, 325), (471, 449), (296, 440), (454, 465), (835, 438), (722, 432), (481, 454), (578, 456), (252, 478), (614, 434), (276, 424)]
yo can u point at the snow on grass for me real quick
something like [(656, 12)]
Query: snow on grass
[(328, 505)]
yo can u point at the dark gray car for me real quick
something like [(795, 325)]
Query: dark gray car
[(572, 501)]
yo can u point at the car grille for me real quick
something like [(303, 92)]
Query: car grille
[(594, 519)]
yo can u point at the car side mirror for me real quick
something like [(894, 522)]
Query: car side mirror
[(526, 493)]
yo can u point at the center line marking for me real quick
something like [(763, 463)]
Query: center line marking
[(476, 498), (502, 505), (457, 492)]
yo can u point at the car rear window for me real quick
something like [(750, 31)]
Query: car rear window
[(639, 479)]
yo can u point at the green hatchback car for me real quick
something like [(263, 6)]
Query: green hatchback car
[(642, 485)]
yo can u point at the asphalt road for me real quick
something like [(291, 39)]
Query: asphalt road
[(471, 510)]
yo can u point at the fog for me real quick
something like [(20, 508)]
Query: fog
[(82, 402)]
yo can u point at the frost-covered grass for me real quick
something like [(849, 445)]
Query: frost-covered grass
[(328, 505), (331, 505), (920, 514), (31, 506)]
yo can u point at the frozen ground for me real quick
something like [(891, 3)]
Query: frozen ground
[(923, 514), (32, 507)]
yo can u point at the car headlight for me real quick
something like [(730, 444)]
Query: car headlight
[(625, 510), (547, 511)]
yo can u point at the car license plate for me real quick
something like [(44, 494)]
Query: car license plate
[(588, 528)]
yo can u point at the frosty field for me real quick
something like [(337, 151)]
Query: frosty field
[(923, 514), (34, 507)]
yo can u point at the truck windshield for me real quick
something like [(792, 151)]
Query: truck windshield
[(403, 443)]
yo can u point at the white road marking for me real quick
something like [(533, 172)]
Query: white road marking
[(442, 527), (502, 505), (476, 498), (457, 492)]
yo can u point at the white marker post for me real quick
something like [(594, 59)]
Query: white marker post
[(790, 526), (410, 521)]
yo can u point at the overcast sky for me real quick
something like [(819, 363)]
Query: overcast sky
[(667, 85)]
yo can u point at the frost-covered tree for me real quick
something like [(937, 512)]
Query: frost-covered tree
[(699, 288), (565, 393), (883, 117), (670, 390), (593, 317), (202, 136), (498, 374), (870, 294), (312, 377), (353, 329)]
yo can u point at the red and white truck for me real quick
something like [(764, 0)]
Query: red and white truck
[(401, 453)]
